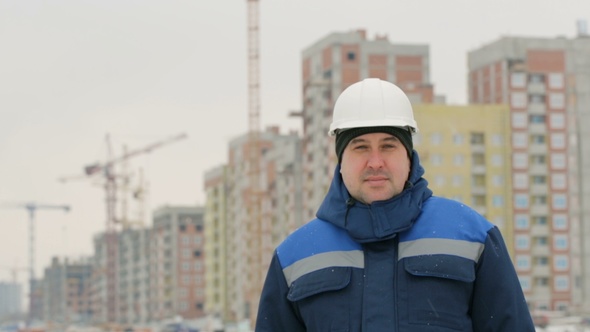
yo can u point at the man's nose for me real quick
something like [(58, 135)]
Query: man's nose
[(375, 159)]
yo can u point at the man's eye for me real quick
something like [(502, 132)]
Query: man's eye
[(360, 147)]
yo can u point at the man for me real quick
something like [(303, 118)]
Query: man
[(383, 253)]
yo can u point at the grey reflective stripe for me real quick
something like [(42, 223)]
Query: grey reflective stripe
[(352, 258), (465, 249)]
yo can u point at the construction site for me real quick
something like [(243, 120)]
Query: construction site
[(516, 151)]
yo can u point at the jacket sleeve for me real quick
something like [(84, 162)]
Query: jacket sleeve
[(498, 302), (275, 312)]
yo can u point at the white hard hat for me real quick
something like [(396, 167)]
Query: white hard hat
[(372, 103)]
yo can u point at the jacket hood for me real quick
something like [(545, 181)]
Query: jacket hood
[(380, 220)]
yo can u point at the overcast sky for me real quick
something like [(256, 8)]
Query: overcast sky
[(72, 72)]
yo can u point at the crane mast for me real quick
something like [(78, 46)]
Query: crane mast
[(32, 208), (254, 284)]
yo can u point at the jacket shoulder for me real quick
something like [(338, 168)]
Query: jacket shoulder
[(315, 237)]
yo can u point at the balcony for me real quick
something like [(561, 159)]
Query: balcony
[(537, 108), (539, 230), (536, 88), (537, 128), (539, 189), (537, 149), (539, 210)]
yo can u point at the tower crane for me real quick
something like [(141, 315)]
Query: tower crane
[(32, 208), (106, 171), (254, 207)]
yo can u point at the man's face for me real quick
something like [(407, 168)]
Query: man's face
[(374, 167)]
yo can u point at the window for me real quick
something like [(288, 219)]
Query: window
[(522, 242), (539, 200), (436, 159), (538, 159), (560, 242), (497, 160), (540, 241), (198, 239), (518, 100), (518, 80), (523, 262), (498, 180), (457, 180), (536, 78), (558, 181), (538, 179), (561, 283), (439, 180), (537, 119), (477, 139), (520, 160), (478, 159), (557, 120), (556, 100), (458, 160), (520, 181), (559, 221), (498, 200), (556, 80), (497, 140), (538, 139), (350, 56), (458, 139), (559, 201), (521, 221), (436, 138), (558, 161), (521, 201), (519, 120), (537, 99), (525, 282), (540, 220), (519, 140), (558, 140)]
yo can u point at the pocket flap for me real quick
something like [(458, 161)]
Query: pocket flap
[(319, 281), (441, 266)]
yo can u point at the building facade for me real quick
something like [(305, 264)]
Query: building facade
[(546, 83), (215, 187), (177, 263), (65, 294), (466, 155), (10, 299), (249, 244)]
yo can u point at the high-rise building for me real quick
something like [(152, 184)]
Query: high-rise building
[(65, 293), (328, 67), (241, 249), (466, 155), (546, 84), (133, 276), (177, 263), (10, 299)]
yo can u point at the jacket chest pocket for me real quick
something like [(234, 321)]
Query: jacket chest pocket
[(323, 299), (439, 289)]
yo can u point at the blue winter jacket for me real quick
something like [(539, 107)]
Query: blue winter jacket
[(415, 262)]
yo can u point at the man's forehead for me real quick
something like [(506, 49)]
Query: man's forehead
[(383, 137)]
